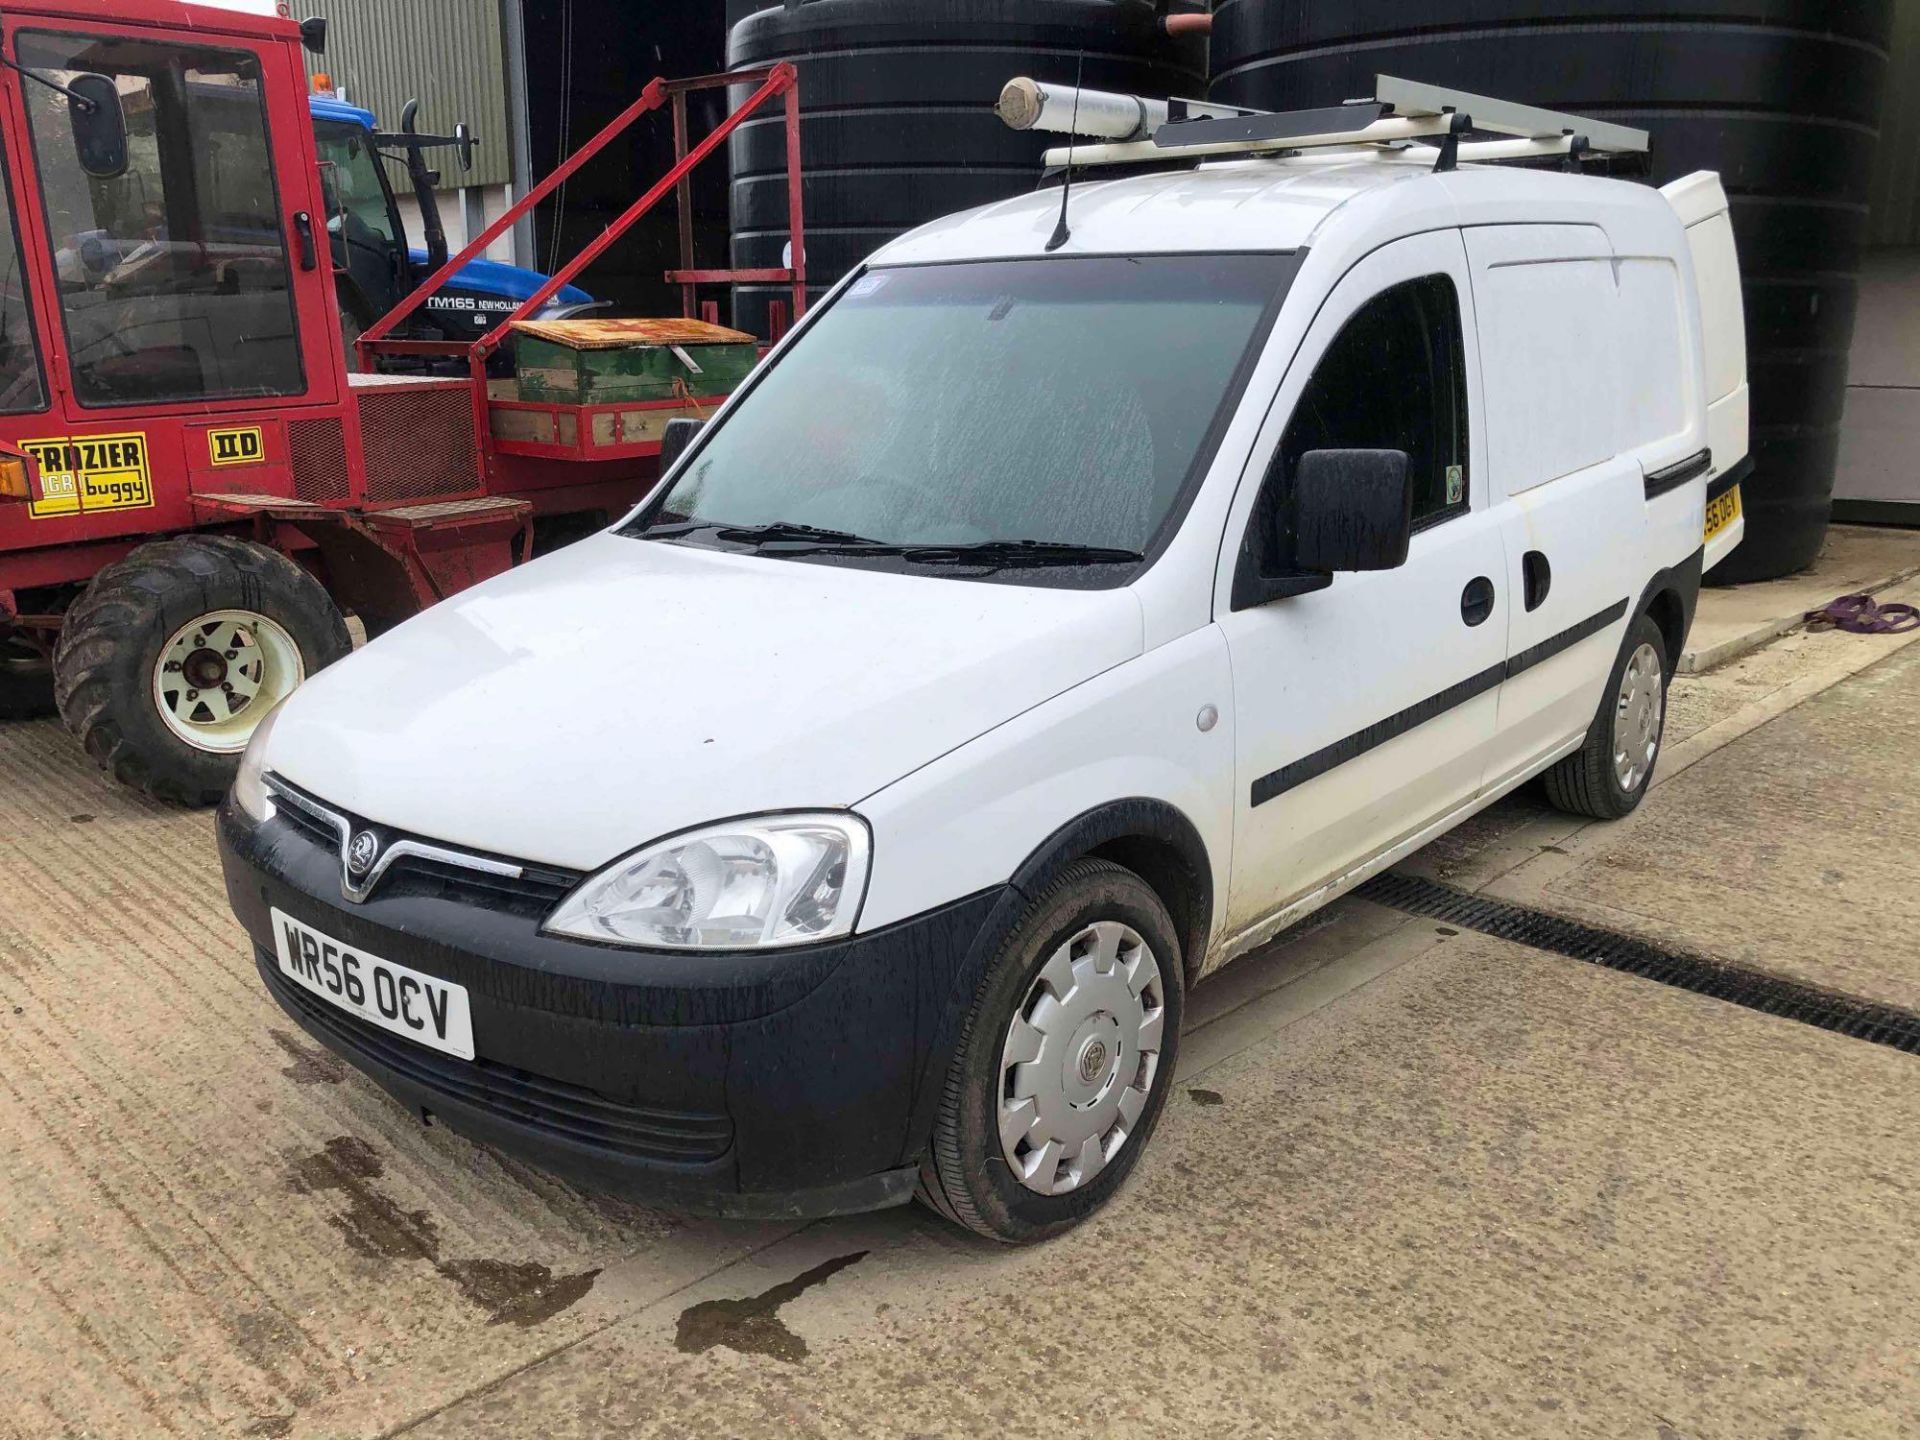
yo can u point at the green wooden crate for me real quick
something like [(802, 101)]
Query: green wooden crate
[(613, 362)]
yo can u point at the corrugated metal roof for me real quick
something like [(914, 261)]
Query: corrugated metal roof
[(446, 53), (1895, 194)]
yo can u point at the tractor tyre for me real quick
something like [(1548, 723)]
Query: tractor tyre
[(173, 656)]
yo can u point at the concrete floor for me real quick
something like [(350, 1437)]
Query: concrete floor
[(1413, 1183)]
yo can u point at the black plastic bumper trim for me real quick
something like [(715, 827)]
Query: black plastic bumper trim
[(572, 1111)]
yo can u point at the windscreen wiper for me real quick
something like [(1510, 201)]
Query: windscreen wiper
[(1001, 553), (780, 536), (787, 537), (784, 537)]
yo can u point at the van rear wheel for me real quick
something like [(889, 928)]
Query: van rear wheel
[(1064, 1063), (173, 656), (1608, 775)]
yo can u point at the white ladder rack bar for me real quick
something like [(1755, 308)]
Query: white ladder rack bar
[(1411, 97), (1484, 150), (1380, 132), (1129, 130)]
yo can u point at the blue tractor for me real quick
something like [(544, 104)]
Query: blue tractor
[(374, 266)]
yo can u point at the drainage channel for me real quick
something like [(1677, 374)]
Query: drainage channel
[(1788, 999)]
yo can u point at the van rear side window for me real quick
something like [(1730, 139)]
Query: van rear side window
[(1548, 350), (1655, 381)]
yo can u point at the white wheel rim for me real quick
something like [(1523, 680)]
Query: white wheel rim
[(219, 675), (1080, 1058), (1637, 719)]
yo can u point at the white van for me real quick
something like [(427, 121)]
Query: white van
[(1054, 617)]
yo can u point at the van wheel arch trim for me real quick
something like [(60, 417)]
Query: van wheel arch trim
[(1141, 819), (1137, 818)]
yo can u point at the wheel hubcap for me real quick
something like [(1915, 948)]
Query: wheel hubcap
[(1637, 718), (1080, 1058), (219, 675)]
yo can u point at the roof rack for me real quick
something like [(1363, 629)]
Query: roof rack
[(1131, 130)]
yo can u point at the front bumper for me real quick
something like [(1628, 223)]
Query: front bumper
[(742, 1084)]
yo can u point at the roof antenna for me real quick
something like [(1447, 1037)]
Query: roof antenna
[(1060, 232)]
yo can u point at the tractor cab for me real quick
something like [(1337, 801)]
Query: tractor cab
[(374, 265)]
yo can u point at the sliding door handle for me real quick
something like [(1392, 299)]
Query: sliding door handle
[(1537, 575), (1476, 601)]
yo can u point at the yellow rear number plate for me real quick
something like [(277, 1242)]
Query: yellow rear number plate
[(1722, 511)]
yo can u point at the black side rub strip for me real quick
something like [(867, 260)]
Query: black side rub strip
[(1298, 772), (1573, 635), (1754, 990), (1672, 477)]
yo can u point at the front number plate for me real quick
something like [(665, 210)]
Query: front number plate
[(1722, 511), (391, 996)]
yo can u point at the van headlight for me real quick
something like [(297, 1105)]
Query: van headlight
[(740, 885), (249, 782)]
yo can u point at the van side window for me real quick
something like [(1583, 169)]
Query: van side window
[(1394, 378)]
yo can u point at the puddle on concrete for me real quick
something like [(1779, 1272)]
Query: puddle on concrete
[(311, 1065), (522, 1294), (377, 1226), (373, 1223), (753, 1325)]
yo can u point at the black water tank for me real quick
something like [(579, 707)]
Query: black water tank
[(1780, 96), (897, 104)]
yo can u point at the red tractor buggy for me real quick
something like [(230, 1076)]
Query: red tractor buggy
[(194, 490)]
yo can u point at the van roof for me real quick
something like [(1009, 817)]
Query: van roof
[(1263, 204)]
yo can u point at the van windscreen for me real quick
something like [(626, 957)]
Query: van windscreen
[(1065, 401)]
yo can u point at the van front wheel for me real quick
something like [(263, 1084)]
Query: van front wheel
[(1607, 776), (1064, 1062)]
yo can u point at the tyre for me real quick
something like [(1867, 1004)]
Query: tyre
[(26, 679), (173, 655), (352, 326), (1064, 1061), (1607, 776)]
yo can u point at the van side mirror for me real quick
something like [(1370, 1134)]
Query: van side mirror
[(675, 439), (99, 125), (1352, 510)]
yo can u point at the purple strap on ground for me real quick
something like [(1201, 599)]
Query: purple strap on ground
[(1863, 615)]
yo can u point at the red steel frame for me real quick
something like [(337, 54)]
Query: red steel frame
[(781, 80)]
